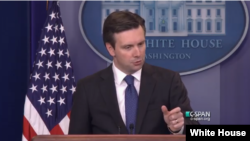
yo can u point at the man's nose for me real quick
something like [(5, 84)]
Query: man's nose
[(137, 51)]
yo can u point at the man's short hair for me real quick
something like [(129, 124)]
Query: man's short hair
[(120, 21)]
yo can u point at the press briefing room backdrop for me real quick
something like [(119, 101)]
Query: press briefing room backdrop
[(206, 42)]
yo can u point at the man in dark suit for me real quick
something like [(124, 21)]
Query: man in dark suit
[(129, 96)]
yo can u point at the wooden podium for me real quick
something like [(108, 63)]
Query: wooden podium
[(109, 138)]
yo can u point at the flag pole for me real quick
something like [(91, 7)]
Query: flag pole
[(47, 5)]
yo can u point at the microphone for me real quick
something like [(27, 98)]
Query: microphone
[(131, 127), (119, 129)]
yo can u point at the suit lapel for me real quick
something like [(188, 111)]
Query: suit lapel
[(108, 92), (146, 89)]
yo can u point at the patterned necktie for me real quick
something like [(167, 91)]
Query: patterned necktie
[(131, 98)]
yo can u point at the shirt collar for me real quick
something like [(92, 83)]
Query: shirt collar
[(119, 75)]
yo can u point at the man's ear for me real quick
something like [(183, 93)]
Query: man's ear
[(110, 49)]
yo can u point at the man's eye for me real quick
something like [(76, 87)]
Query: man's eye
[(140, 44)]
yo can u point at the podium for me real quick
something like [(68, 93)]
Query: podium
[(110, 138)]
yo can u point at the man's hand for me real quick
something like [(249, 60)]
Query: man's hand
[(174, 118)]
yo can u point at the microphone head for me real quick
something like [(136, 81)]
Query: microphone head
[(131, 126)]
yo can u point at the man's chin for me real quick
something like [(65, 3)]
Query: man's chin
[(136, 68)]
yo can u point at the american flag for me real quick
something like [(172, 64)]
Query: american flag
[(52, 84)]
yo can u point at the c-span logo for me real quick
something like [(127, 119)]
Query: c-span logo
[(184, 36)]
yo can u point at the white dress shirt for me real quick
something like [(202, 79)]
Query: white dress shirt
[(121, 85)]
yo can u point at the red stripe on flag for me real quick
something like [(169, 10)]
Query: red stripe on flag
[(28, 131), (69, 114), (56, 130)]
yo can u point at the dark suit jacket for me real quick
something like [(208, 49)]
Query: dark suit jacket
[(95, 108)]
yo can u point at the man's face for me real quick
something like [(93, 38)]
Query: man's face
[(129, 52)]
